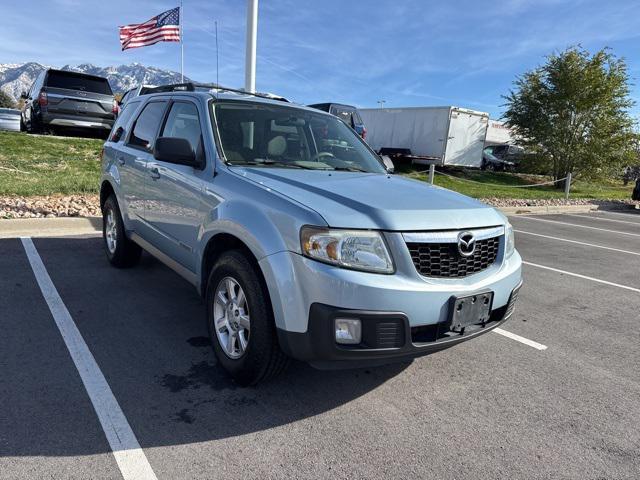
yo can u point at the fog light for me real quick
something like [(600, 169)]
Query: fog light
[(348, 331)]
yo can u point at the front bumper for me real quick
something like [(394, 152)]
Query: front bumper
[(386, 336)]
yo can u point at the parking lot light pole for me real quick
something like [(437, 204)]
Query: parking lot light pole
[(252, 34)]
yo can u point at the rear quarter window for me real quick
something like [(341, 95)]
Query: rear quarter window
[(75, 81), (123, 120)]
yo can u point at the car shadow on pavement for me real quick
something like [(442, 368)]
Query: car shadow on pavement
[(146, 330)]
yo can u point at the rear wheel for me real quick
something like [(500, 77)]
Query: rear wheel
[(240, 321), (121, 252)]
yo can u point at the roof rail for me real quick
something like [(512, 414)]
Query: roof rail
[(192, 87)]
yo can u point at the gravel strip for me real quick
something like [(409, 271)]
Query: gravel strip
[(556, 202), (89, 205), (50, 206)]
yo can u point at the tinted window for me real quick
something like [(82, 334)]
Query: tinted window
[(146, 126), (183, 122), (345, 114), (75, 81), (123, 119)]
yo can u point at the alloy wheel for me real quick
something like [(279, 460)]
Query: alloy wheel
[(231, 318)]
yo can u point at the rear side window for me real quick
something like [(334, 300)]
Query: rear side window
[(76, 81), (146, 126), (123, 119), (183, 122)]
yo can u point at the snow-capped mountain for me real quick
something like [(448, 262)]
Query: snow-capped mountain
[(18, 77)]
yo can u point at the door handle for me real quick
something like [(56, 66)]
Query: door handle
[(121, 161), (154, 173)]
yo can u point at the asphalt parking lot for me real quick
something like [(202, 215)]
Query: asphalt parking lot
[(557, 395)]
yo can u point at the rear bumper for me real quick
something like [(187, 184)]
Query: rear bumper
[(10, 125), (77, 121), (386, 336)]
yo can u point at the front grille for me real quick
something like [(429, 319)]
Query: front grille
[(444, 260), (379, 333), (389, 334)]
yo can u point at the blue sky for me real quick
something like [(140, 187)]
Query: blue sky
[(406, 52)]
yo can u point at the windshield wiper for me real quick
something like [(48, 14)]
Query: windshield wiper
[(351, 169), (267, 163)]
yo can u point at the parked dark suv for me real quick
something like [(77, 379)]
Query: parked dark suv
[(347, 113), (59, 98)]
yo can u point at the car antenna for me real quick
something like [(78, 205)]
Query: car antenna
[(217, 63)]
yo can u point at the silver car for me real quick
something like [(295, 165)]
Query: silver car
[(300, 242), (10, 119)]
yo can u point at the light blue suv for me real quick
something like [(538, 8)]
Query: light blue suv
[(298, 239)]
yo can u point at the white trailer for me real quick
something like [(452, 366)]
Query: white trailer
[(498, 134), (441, 135)]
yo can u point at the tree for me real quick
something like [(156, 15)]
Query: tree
[(6, 101), (574, 110)]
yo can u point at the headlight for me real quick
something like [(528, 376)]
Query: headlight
[(354, 249), (511, 241)]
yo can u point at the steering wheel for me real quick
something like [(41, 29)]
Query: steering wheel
[(319, 155)]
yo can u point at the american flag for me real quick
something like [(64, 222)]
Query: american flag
[(162, 28)]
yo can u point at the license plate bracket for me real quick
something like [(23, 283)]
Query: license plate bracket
[(469, 310)]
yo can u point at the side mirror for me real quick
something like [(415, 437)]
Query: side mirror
[(23, 95), (175, 150), (388, 164)]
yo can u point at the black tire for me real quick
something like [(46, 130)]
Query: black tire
[(123, 253), (36, 126), (23, 127), (263, 359)]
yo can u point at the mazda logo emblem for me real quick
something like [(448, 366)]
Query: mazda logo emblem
[(466, 244)]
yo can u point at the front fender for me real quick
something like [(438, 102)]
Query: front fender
[(265, 228)]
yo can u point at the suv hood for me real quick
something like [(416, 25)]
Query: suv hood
[(376, 201)]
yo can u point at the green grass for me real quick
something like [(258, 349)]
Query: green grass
[(46, 165), (500, 185)]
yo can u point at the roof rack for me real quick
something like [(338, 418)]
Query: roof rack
[(192, 87)]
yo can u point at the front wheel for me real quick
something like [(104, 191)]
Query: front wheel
[(240, 321)]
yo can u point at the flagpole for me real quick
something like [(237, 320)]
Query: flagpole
[(252, 33), (181, 44)]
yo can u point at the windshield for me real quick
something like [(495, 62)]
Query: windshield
[(283, 136)]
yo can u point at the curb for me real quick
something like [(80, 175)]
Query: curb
[(50, 227), (68, 226), (550, 209)]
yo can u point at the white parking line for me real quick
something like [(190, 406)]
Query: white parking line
[(581, 226), (518, 338), (628, 215), (602, 218), (579, 243), (131, 459), (633, 289)]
